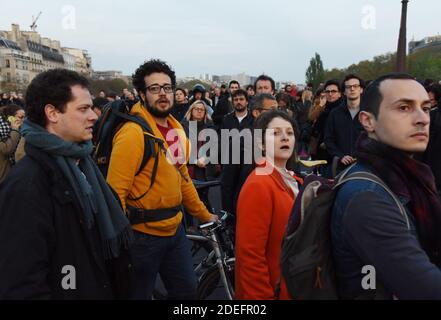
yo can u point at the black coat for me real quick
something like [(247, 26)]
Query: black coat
[(342, 132), (223, 107), (42, 231), (234, 175), (319, 127), (179, 110)]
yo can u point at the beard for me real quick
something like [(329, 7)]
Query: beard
[(240, 108), (156, 112)]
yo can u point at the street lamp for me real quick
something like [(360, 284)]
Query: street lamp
[(402, 45)]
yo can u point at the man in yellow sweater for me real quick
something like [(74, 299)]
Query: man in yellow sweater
[(160, 242)]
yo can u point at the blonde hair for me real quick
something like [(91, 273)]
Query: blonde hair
[(306, 95), (193, 105)]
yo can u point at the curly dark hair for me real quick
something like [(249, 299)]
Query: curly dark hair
[(149, 67), (51, 87)]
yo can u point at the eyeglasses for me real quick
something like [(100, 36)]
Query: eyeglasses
[(331, 91), (199, 109), (156, 88), (355, 86)]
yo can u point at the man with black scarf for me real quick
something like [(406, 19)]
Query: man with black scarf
[(63, 234), (386, 243)]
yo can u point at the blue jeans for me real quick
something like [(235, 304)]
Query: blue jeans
[(168, 256)]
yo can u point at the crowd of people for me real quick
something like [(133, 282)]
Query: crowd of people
[(120, 231)]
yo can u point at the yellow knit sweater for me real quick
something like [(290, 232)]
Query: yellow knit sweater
[(169, 189)]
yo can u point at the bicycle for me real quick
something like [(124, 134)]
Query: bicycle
[(215, 242), (220, 261)]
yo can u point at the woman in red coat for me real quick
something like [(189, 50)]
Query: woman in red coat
[(263, 209)]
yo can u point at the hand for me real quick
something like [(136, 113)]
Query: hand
[(201, 163), (213, 218), (16, 124), (347, 160)]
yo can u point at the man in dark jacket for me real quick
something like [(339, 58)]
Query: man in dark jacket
[(63, 234), (343, 127), (233, 159), (224, 106), (333, 101), (386, 242)]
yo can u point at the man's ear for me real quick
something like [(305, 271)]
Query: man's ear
[(142, 95), (255, 113), (367, 120), (52, 113)]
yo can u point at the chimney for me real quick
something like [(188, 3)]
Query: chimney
[(15, 32)]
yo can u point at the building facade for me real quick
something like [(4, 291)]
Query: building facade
[(434, 41), (24, 54)]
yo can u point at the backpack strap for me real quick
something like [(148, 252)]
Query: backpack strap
[(148, 149), (372, 178)]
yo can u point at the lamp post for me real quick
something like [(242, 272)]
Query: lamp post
[(402, 45)]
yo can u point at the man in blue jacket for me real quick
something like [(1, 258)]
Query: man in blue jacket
[(369, 231)]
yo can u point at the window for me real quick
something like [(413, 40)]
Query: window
[(8, 64)]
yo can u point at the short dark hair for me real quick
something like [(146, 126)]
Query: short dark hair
[(264, 77), (332, 82), (372, 97), (240, 92), (180, 89), (435, 88), (99, 102), (349, 77), (284, 97), (257, 101), (111, 94), (51, 87), (250, 86), (149, 67), (233, 82)]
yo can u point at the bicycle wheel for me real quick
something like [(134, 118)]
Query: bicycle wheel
[(211, 280)]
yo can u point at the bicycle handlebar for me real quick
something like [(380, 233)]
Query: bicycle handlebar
[(198, 184)]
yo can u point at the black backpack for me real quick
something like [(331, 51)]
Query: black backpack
[(306, 259), (114, 115)]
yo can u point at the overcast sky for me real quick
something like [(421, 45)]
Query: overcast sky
[(277, 37)]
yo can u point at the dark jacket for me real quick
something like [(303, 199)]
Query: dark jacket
[(319, 127), (223, 107), (209, 172), (342, 132), (179, 110), (368, 228), (235, 174), (42, 231), (432, 156)]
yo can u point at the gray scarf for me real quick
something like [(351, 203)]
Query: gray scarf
[(99, 206)]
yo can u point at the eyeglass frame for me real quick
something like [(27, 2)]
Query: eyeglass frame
[(161, 88), (331, 91), (350, 86)]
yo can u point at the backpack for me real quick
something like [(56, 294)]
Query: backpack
[(114, 115), (306, 258)]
